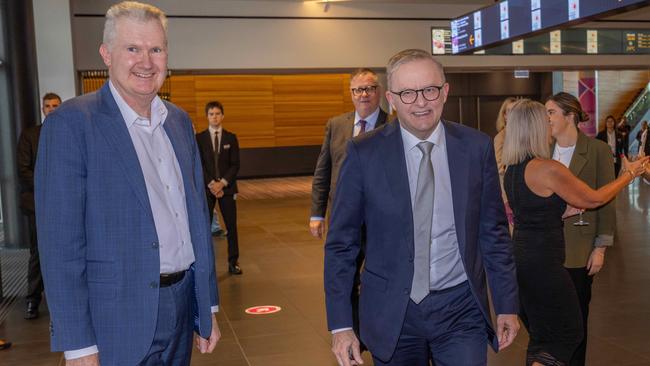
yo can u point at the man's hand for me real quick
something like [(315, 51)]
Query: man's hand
[(345, 346), (216, 187), (90, 360), (316, 228), (507, 328), (207, 345), (596, 260)]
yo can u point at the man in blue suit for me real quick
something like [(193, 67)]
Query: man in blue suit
[(125, 243), (428, 192)]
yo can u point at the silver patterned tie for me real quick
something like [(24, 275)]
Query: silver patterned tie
[(422, 219)]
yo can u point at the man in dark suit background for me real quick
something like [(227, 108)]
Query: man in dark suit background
[(26, 161), (367, 115), (220, 159), (428, 193)]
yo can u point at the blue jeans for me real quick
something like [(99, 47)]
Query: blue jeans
[(215, 223)]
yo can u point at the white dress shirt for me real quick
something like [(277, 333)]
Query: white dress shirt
[(446, 265), (219, 134)]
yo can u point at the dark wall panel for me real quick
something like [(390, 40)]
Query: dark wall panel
[(278, 161)]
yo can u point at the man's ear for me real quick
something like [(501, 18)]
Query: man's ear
[(106, 54)]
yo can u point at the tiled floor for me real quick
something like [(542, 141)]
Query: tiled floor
[(283, 266)]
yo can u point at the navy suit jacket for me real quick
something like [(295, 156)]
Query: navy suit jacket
[(97, 238), (373, 188)]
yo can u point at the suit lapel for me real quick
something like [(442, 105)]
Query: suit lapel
[(459, 175), (397, 175), (116, 133), (579, 158), (349, 123), (381, 119), (175, 134)]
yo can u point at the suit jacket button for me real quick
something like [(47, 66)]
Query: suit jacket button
[(406, 291), (154, 245), (153, 284), (411, 259)]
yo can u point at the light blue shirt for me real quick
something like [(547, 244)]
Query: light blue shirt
[(162, 176), (446, 266), (371, 122)]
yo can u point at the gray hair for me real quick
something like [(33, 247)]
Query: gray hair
[(407, 56), (132, 10), (527, 133)]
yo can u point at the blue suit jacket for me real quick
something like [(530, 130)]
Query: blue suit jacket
[(373, 188), (97, 237)]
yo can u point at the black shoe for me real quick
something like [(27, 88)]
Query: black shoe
[(31, 312), (234, 269)]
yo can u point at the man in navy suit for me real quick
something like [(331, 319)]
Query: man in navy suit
[(436, 230), (125, 244)]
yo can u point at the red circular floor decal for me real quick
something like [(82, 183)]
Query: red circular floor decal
[(263, 310)]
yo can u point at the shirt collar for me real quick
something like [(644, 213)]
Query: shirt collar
[(410, 141), (370, 120), (158, 109), (215, 130)]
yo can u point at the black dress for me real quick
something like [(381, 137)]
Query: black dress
[(548, 302)]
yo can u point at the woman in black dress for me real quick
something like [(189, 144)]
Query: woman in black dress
[(538, 189)]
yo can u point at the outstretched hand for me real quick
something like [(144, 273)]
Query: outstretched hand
[(637, 167)]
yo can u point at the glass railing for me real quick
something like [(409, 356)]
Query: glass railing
[(636, 113)]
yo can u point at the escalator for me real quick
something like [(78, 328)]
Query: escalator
[(638, 111)]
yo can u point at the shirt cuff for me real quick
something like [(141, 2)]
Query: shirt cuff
[(334, 331), (214, 309), (79, 353), (604, 241), (224, 182), (316, 218)]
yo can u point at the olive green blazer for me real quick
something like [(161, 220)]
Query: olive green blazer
[(593, 163)]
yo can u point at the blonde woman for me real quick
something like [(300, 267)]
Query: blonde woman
[(502, 120), (538, 190)]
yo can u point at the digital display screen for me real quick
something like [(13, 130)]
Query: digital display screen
[(511, 19)]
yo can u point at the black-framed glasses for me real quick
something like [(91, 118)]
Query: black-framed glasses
[(409, 96), (370, 90)]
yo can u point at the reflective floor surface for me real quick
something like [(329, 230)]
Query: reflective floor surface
[(283, 266)]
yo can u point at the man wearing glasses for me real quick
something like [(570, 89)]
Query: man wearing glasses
[(366, 92), (428, 192)]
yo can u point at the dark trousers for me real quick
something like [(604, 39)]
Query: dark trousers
[(582, 282), (34, 277), (228, 207), (447, 329), (172, 342)]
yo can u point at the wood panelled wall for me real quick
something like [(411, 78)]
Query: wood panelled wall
[(263, 110), (266, 110)]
